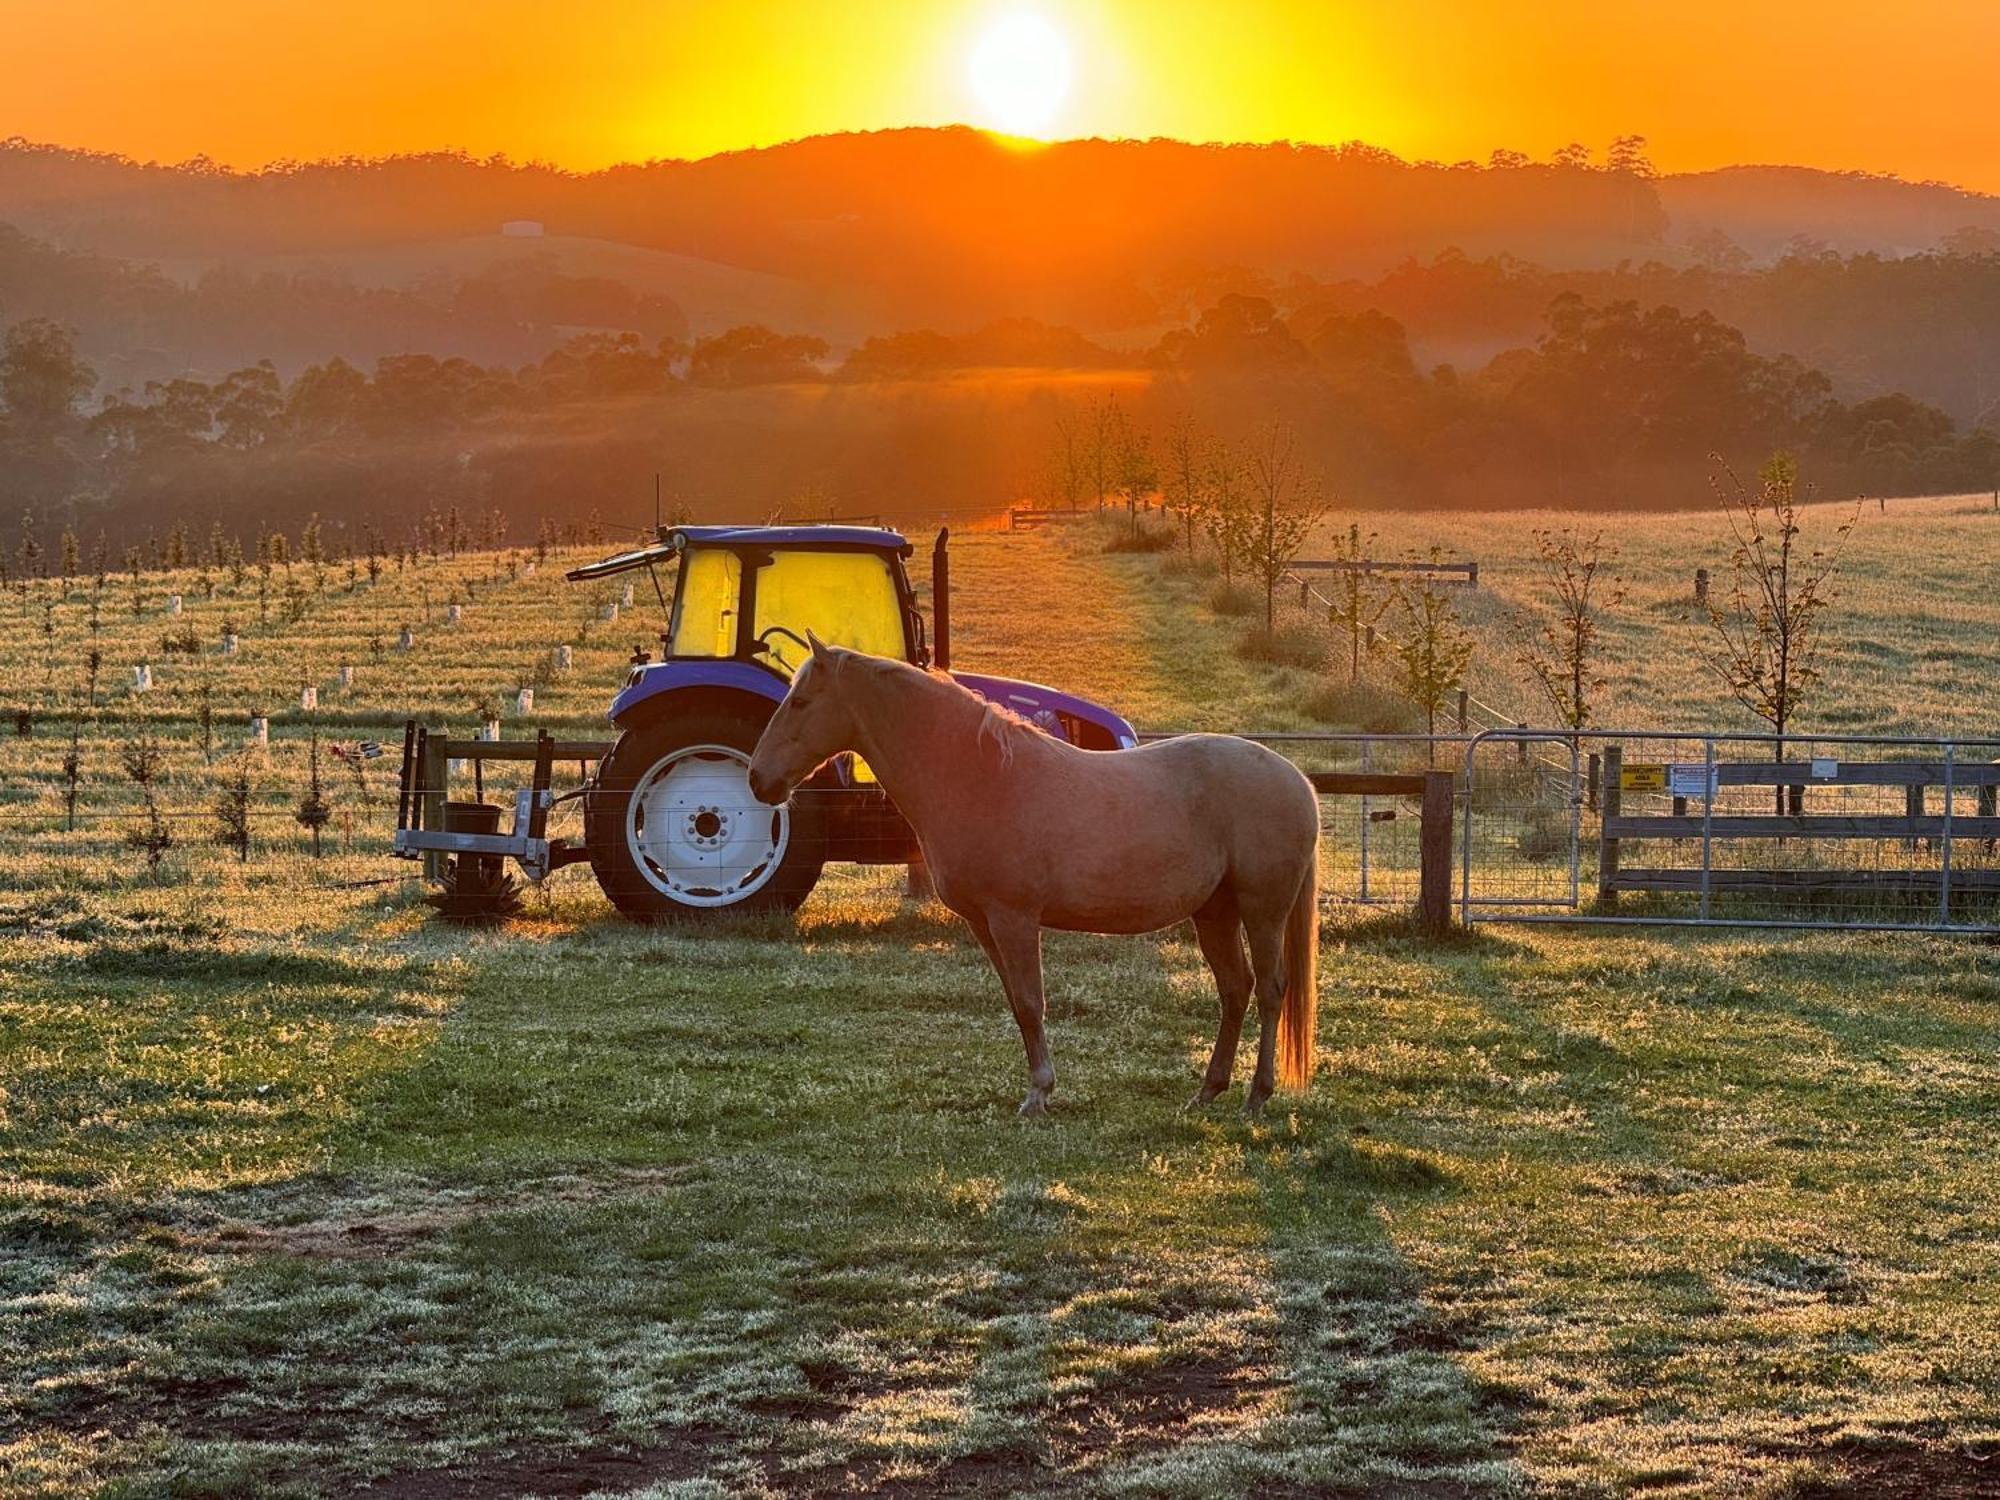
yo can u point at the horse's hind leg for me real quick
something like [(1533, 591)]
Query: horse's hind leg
[(1013, 940), (1221, 935), (1267, 960)]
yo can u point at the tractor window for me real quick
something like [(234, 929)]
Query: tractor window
[(705, 603), (848, 598)]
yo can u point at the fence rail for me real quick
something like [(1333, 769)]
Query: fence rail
[(1464, 573), (1815, 830)]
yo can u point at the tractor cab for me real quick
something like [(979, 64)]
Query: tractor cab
[(753, 592)]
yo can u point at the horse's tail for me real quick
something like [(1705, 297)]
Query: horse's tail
[(1299, 1018)]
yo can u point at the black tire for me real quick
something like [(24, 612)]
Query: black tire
[(721, 821)]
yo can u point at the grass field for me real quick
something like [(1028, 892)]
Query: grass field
[(306, 1194), (1912, 637)]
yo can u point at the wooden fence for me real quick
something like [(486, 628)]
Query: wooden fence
[(1696, 819)]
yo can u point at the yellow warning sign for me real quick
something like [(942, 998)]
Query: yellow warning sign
[(1642, 778)]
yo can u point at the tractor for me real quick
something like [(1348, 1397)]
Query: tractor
[(669, 825)]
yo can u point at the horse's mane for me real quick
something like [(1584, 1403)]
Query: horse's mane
[(999, 725)]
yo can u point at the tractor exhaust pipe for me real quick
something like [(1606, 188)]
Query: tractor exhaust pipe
[(941, 602)]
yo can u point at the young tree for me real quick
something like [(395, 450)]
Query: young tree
[(1434, 650), (1226, 512), (72, 770), (1765, 634), (232, 811), (1133, 473), (1097, 446), (313, 810), (1181, 488), (1562, 655), (1288, 504), (1357, 604), (144, 765)]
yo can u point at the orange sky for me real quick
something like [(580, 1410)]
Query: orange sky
[(1836, 83)]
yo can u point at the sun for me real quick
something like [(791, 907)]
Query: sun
[(1019, 70)]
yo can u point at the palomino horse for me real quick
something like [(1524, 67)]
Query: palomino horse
[(1021, 831)]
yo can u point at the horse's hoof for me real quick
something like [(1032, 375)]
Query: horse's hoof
[(1033, 1107), (1203, 1097), (1254, 1106)]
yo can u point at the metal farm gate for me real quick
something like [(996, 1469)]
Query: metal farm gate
[(1640, 828)]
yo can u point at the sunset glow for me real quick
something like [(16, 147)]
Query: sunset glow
[(626, 80)]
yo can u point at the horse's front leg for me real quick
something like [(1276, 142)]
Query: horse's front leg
[(1013, 940)]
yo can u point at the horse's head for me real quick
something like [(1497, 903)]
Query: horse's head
[(812, 725)]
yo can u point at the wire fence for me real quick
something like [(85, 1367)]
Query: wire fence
[(1646, 827), (1607, 828)]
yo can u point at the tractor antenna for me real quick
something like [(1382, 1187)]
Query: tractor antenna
[(656, 504)]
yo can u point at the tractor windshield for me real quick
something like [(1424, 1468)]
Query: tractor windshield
[(847, 598)]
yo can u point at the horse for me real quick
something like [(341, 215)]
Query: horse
[(1020, 831)]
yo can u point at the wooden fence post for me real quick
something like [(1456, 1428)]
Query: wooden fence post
[(1612, 800), (1590, 783), (1434, 843), (431, 776), (1462, 698), (1701, 585)]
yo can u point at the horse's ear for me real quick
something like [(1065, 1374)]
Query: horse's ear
[(821, 651)]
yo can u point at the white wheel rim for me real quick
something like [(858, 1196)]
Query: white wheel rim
[(695, 832)]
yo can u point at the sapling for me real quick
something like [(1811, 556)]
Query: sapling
[(1766, 638), (1356, 605), (48, 647), (72, 769), (205, 716), (144, 762), (1563, 656), (313, 811), (1434, 651), (232, 811)]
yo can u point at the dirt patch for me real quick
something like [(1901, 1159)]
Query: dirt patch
[(381, 1236), (558, 1474), (1154, 1408), (1901, 1473)]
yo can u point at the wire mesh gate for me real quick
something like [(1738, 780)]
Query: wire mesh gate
[(1640, 827)]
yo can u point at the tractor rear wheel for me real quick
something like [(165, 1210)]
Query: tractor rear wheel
[(672, 830)]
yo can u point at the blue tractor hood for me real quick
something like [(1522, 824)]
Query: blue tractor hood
[(1044, 707)]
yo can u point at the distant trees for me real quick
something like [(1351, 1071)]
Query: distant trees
[(42, 379), (1238, 332), (755, 355)]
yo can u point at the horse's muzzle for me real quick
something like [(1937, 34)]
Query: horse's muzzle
[(765, 789)]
